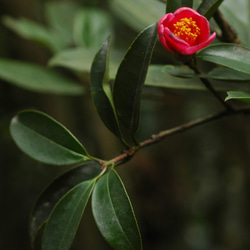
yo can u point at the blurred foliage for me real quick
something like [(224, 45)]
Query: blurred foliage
[(188, 192)]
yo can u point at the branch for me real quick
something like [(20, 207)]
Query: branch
[(126, 155), (209, 86), (229, 34)]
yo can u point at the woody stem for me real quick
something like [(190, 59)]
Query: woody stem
[(127, 154), (209, 86)]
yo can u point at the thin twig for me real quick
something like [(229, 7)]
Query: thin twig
[(126, 155), (209, 86)]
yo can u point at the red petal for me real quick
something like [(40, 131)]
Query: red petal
[(193, 49), (174, 43)]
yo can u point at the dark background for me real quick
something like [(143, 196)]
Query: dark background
[(190, 191)]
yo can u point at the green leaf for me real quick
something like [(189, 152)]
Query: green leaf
[(233, 56), (80, 59), (45, 139), (114, 214), (100, 89), (60, 17), (173, 5), (208, 7), (77, 59), (34, 32), (37, 78), (138, 14), (64, 220), (131, 76), (159, 77), (58, 188), (91, 28), (179, 71), (238, 95), (218, 73), (226, 74)]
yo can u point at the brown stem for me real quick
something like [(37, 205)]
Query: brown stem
[(209, 86), (126, 155), (228, 33)]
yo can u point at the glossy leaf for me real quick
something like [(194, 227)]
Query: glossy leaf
[(64, 220), (34, 32), (130, 78), (114, 214), (237, 95), (173, 5), (218, 73), (158, 77), (138, 14), (45, 139), (100, 89), (37, 78), (229, 55), (208, 7), (227, 74), (57, 189), (91, 28)]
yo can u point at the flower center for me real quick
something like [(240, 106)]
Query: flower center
[(186, 29)]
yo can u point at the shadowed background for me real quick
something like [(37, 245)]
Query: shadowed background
[(190, 191)]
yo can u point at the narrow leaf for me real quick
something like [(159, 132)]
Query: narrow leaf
[(45, 139), (229, 55), (237, 95), (131, 76), (64, 220), (91, 27), (80, 59), (173, 5), (179, 71), (37, 78), (208, 7), (218, 73), (34, 32), (77, 59), (58, 188), (114, 214), (226, 74), (158, 77), (100, 89), (60, 17)]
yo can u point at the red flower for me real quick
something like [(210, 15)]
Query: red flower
[(185, 31)]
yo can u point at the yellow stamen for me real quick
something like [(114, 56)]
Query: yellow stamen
[(186, 29)]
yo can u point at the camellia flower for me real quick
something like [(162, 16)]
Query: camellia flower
[(185, 31)]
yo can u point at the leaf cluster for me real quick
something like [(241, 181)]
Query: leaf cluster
[(116, 87)]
